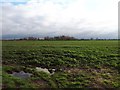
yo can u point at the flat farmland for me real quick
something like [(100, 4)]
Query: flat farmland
[(69, 64)]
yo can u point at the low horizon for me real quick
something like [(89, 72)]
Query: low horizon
[(52, 38)]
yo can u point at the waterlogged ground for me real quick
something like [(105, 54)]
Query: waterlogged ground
[(63, 64)]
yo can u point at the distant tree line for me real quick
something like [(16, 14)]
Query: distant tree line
[(63, 37), (59, 38), (29, 38), (49, 38)]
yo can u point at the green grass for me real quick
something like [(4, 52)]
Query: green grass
[(79, 64)]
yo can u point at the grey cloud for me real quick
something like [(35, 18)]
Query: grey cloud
[(15, 25)]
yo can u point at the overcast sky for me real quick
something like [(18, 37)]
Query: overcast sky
[(78, 18)]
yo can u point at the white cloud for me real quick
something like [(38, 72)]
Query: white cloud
[(5, 1), (70, 17)]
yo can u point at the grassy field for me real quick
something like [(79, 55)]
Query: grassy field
[(77, 64)]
